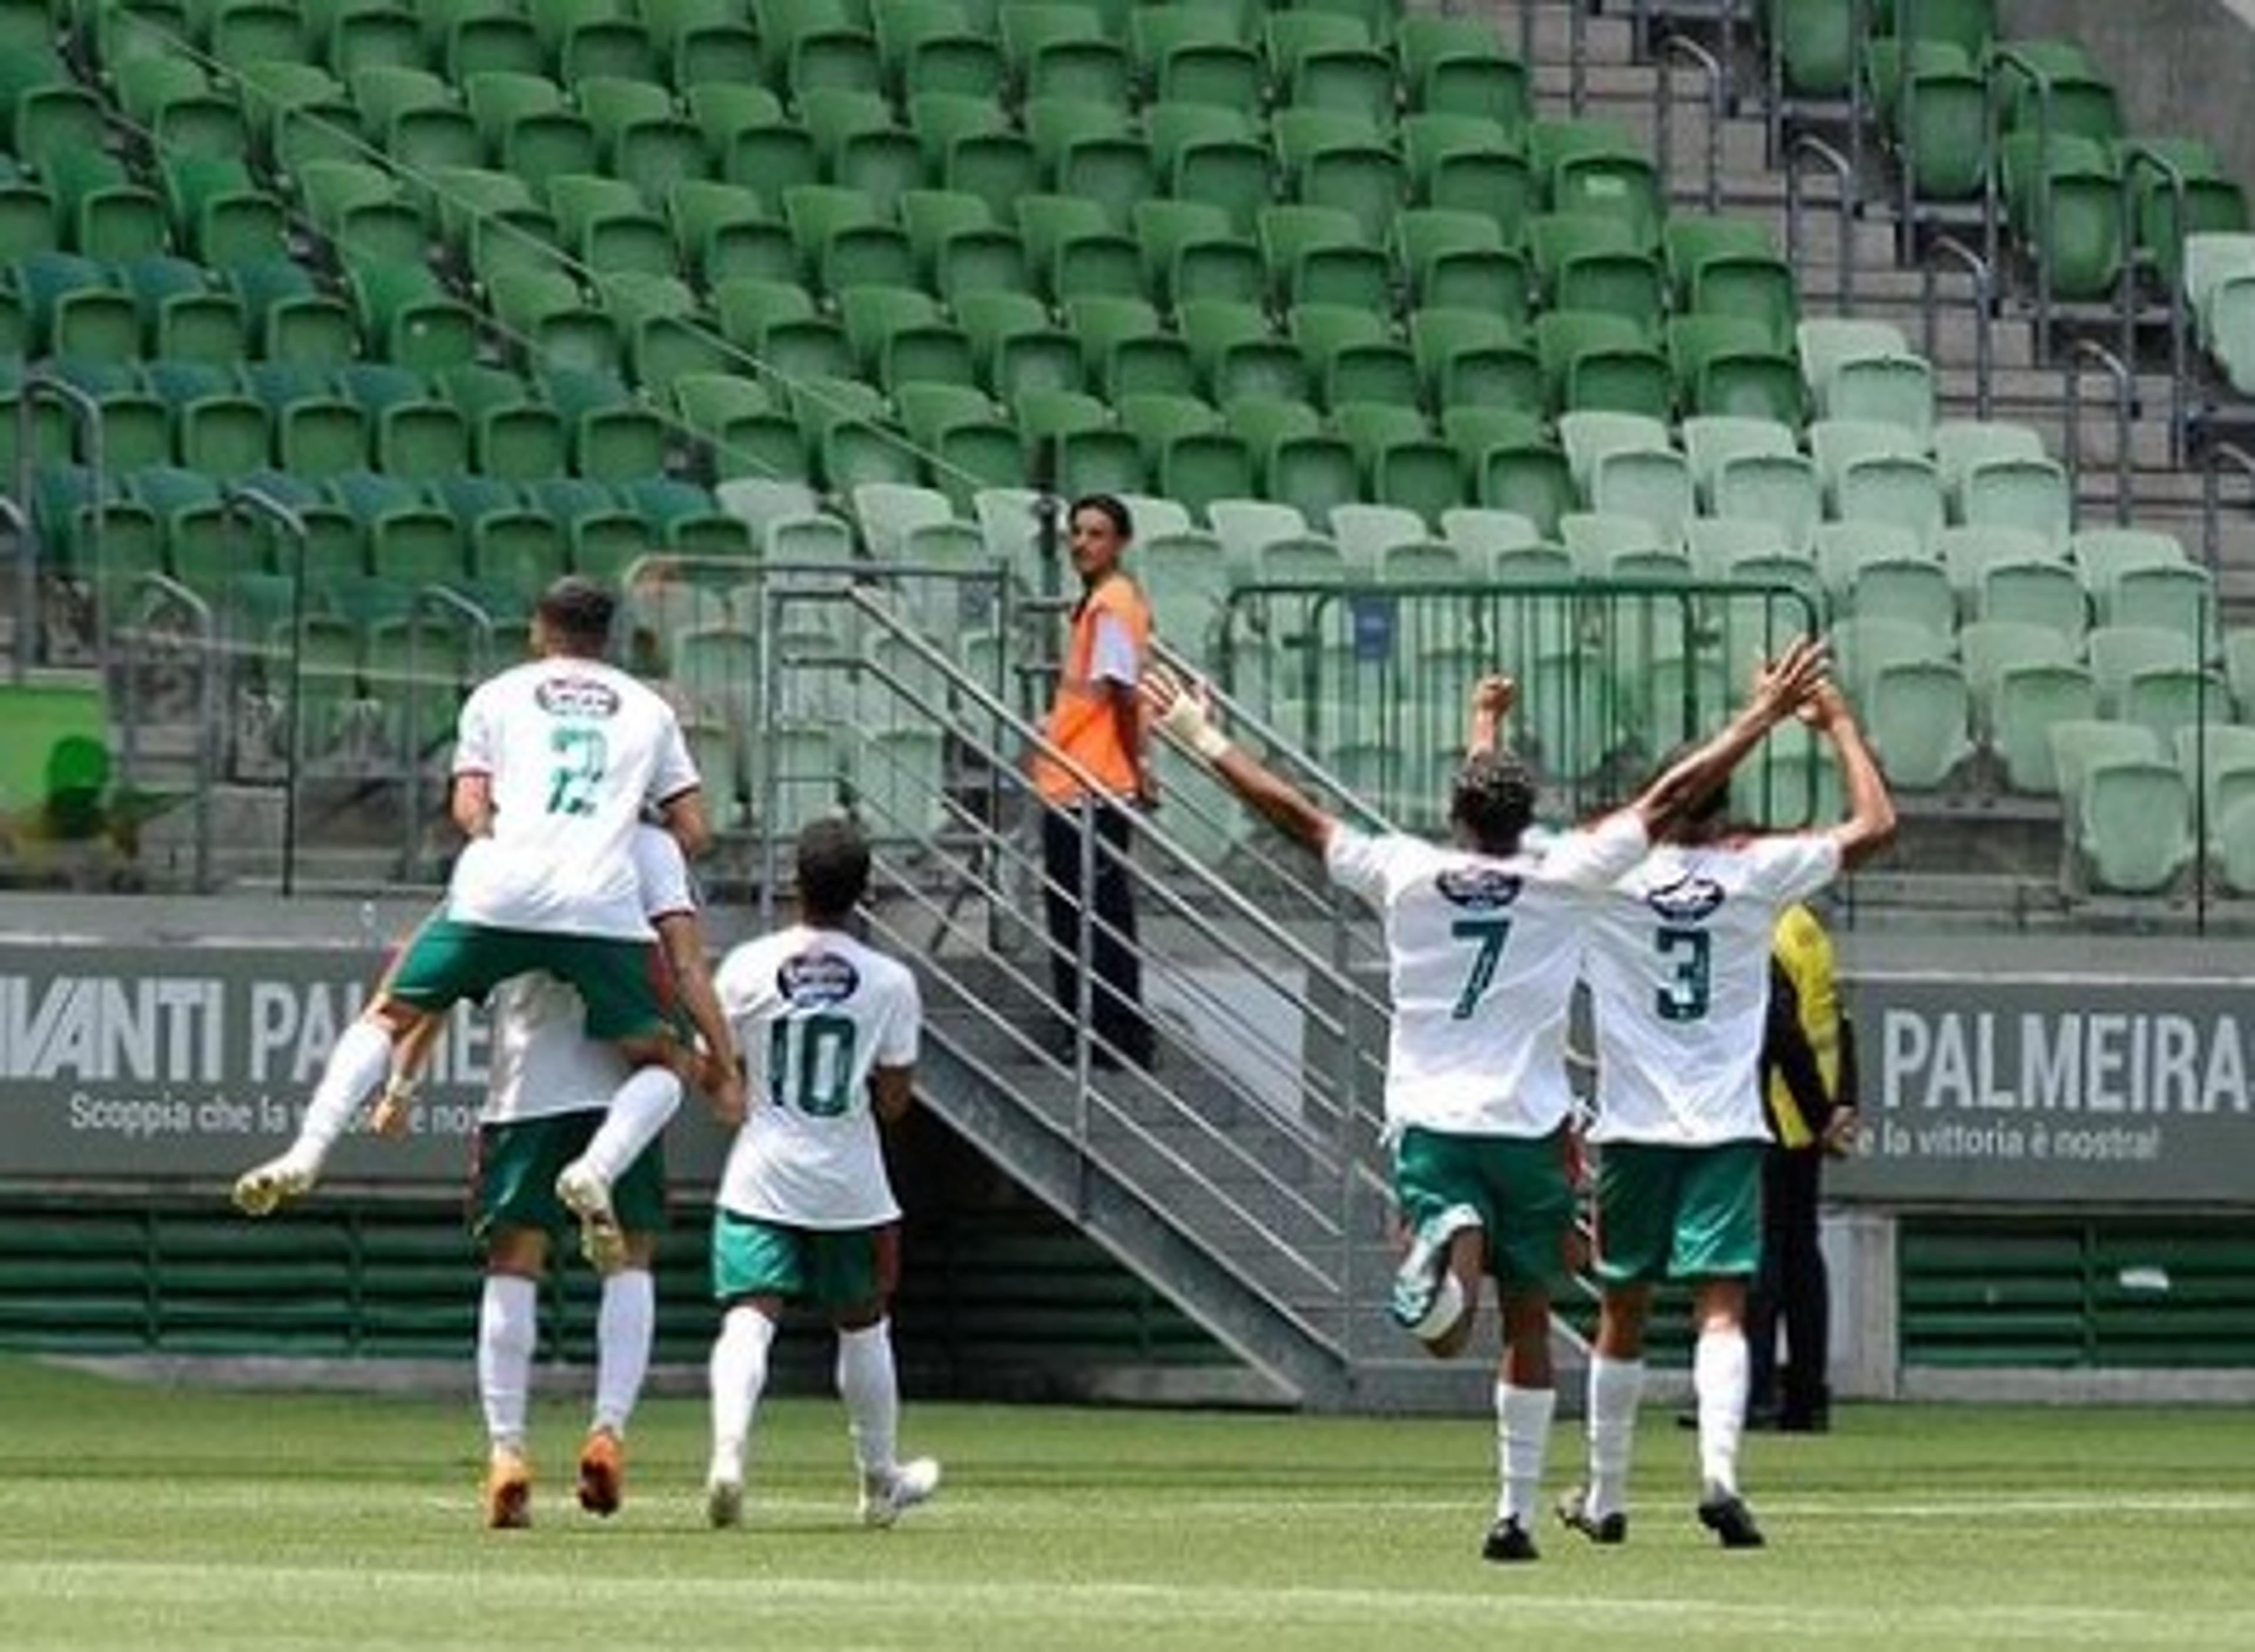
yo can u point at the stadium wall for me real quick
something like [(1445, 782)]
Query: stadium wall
[(2177, 66)]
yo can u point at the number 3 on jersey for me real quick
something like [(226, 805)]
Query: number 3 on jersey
[(1683, 996), (580, 756), (1489, 935), (810, 1064)]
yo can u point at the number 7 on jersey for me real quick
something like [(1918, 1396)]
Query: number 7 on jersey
[(1488, 935)]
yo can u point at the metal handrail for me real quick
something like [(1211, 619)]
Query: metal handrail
[(235, 498), (1859, 35), (1817, 149), (149, 590), (1948, 247), (86, 413), (14, 516), (1577, 56), (431, 600), (2219, 454), (2134, 156), (1672, 47), (2002, 60), (2091, 350)]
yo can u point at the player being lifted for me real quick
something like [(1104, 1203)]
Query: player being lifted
[(1482, 937), (555, 762), (829, 1028), (1678, 968)]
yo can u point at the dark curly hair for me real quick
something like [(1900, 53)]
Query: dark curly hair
[(1491, 801), (833, 869), (579, 611)]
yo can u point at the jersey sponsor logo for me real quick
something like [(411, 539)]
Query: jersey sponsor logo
[(1690, 898), (1478, 888), (812, 979), (583, 698)]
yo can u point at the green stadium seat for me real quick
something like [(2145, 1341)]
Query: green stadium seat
[(593, 38), (1453, 259), (810, 45), (512, 435), (1475, 357), (2065, 199), (417, 436), (528, 125), (2132, 826), (106, 216), (416, 118), (1237, 356), (1192, 252), (360, 211), (971, 147), (1018, 348), (640, 136), (73, 309), (1594, 264), (612, 436), (135, 428), (1458, 65), (1511, 465), (1075, 250), (1319, 255), (290, 318), (666, 332), (901, 336), (1329, 158), (1465, 163), (1195, 54), (777, 323), (926, 45), (1917, 713), (1601, 362), (1128, 351), (859, 145), (1324, 60), (1891, 488), (183, 316), (1091, 152), (1205, 152), (549, 322), (1063, 51), (318, 434), (174, 100), (703, 42), (1353, 356), (846, 239)]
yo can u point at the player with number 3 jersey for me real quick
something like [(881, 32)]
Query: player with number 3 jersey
[(1678, 968)]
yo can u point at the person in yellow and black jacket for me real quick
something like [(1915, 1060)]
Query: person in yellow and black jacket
[(1809, 1062)]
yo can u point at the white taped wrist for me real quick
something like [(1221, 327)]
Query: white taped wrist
[(1208, 742)]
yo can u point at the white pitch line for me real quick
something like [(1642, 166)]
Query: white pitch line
[(1137, 1605)]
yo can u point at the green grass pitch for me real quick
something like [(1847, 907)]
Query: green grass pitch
[(164, 1518)]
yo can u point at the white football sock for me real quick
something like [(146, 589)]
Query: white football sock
[(1522, 1434), (638, 1111), (623, 1332), (872, 1394), (357, 1063), (738, 1372), (509, 1324), (1718, 1376), (1615, 1388)]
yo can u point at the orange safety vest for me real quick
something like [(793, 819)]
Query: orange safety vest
[(1081, 723)]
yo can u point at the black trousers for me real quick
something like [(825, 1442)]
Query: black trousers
[(1791, 1286), (1116, 998)]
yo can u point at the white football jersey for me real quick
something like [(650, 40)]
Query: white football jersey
[(1678, 967), (1481, 956), (543, 1061), (815, 1013), (575, 749)]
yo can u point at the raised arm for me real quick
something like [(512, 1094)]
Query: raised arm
[(1780, 688), (1870, 823), (1492, 697), (1178, 712)]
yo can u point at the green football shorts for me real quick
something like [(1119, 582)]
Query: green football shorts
[(620, 980), (1517, 1184), (517, 1166), (827, 1269), (1678, 1213)]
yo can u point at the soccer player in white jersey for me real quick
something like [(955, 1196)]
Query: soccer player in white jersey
[(1678, 969), (805, 1214), (1481, 939), (555, 762)]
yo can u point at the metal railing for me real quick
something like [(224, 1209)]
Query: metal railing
[(1806, 148), (2083, 355), (153, 597), (1671, 48), (2135, 156), (1949, 248)]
